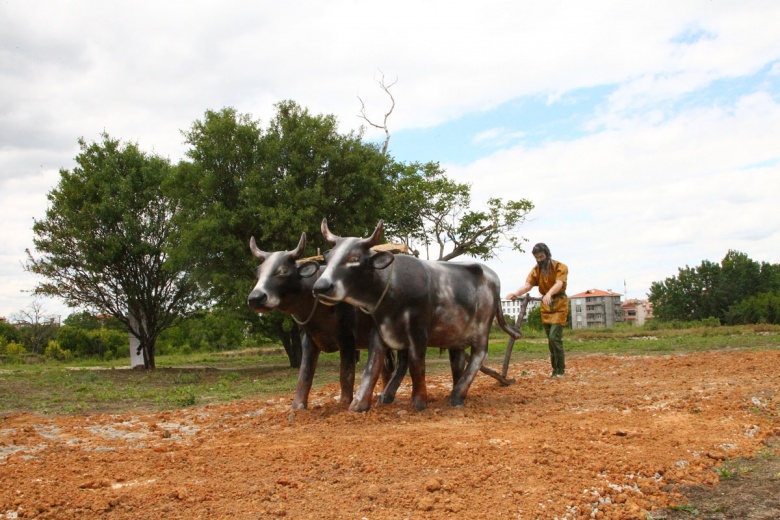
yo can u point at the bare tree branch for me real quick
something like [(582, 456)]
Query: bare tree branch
[(383, 126)]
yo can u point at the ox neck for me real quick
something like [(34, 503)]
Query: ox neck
[(384, 292), (311, 315)]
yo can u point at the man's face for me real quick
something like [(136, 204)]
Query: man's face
[(540, 258)]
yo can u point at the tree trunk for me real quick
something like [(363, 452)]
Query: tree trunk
[(147, 348), (291, 340)]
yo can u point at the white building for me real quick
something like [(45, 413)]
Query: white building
[(512, 308)]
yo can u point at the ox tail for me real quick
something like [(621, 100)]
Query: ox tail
[(512, 331)]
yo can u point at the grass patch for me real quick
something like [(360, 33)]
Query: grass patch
[(203, 378), (685, 508)]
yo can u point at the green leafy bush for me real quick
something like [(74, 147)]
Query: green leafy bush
[(11, 349), (761, 308), (54, 351)]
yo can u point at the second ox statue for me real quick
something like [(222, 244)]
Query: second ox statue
[(285, 284), (414, 303)]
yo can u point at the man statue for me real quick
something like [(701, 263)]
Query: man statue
[(550, 276)]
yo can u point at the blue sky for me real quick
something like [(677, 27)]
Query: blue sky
[(530, 121), (645, 134), (534, 120)]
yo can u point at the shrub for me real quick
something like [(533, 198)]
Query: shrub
[(109, 344), (75, 340), (54, 351), (12, 349)]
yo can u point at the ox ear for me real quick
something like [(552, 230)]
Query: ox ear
[(256, 250), (377, 234), (330, 237), (308, 269), (296, 253), (381, 260)]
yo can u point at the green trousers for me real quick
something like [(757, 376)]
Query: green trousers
[(555, 342)]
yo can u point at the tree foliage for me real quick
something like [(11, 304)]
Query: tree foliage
[(103, 244), (431, 210), (271, 183), (710, 289), (761, 308)]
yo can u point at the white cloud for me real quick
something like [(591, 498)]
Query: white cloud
[(143, 71), (656, 195)]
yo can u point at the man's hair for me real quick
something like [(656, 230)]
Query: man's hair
[(541, 247)]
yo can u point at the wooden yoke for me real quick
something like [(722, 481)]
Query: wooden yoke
[(396, 249)]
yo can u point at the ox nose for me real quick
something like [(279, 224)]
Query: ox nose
[(322, 286), (256, 299)]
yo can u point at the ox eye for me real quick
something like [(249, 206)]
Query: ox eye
[(353, 259), (282, 271)]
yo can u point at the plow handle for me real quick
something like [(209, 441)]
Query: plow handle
[(518, 324)]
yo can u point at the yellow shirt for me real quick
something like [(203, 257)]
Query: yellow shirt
[(559, 312)]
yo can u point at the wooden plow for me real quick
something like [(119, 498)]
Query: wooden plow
[(501, 377)]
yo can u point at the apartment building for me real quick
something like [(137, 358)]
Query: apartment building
[(596, 308), (637, 312)]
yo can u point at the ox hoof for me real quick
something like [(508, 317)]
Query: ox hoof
[(358, 407), (298, 406), (420, 405), (386, 399), (457, 402)]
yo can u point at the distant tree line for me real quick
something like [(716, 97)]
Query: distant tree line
[(738, 290), (86, 336)]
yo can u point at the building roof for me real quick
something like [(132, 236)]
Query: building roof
[(595, 292)]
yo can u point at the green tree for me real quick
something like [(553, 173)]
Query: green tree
[(75, 340), (103, 244), (761, 308), (271, 183), (9, 332), (710, 289), (431, 210), (535, 318), (428, 209)]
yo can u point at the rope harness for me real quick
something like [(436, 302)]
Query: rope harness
[(387, 286), (311, 315)]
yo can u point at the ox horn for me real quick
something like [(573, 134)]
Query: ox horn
[(256, 250), (330, 237), (377, 234), (296, 253)]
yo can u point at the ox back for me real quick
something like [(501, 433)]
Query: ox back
[(415, 304)]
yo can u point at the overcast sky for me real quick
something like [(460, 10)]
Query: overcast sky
[(647, 134)]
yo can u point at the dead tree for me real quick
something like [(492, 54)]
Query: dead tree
[(386, 87)]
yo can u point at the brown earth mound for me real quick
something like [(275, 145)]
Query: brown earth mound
[(617, 438)]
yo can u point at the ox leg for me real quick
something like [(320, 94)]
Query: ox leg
[(461, 388), (348, 356), (391, 385), (417, 371), (309, 356), (374, 363), (457, 364)]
